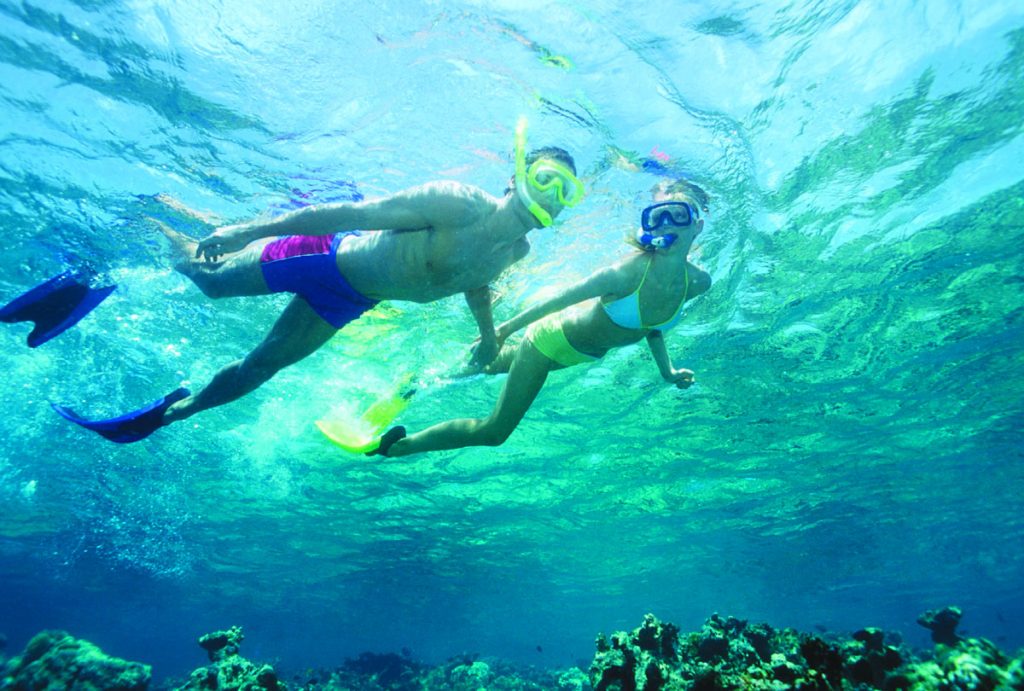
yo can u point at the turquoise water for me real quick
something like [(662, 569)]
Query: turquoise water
[(852, 452)]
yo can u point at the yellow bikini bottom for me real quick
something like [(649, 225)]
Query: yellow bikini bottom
[(547, 336)]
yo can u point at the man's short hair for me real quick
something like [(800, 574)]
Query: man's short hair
[(553, 152)]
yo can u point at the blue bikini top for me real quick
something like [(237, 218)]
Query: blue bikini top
[(625, 312)]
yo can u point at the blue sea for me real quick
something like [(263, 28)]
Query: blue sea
[(851, 455)]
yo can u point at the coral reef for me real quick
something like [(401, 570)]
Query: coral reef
[(726, 653), (960, 663), (55, 660), (391, 672), (230, 671), (733, 654)]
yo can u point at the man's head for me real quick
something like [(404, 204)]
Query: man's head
[(546, 182), (552, 153)]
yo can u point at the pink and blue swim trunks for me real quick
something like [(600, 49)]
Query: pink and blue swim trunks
[(307, 265)]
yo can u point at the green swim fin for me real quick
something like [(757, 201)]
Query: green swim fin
[(362, 434)]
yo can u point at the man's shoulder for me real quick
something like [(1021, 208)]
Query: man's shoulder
[(457, 202), (455, 190)]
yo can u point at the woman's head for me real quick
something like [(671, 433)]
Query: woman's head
[(674, 219), (681, 190)]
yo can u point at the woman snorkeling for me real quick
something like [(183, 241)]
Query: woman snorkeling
[(640, 296)]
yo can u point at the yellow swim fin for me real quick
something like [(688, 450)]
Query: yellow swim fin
[(362, 434)]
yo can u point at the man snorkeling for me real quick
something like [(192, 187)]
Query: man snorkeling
[(341, 259)]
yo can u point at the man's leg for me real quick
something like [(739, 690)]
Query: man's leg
[(237, 275), (526, 378), (298, 332)]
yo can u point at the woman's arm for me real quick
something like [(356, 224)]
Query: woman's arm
[(605, 281), (682, 378)]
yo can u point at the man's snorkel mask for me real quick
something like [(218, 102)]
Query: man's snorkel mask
[(544, 174)]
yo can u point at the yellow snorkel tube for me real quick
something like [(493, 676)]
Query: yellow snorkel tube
[(539, 212)]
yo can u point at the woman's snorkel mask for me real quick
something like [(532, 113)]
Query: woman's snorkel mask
[(656, 216), (543, 174)]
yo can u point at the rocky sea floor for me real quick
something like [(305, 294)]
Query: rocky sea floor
[(727, 653)]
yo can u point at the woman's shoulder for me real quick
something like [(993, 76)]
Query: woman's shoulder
[(629, 272), (636, 262), (700, 280)]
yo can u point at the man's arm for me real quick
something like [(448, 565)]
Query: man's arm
[(682, 378), (419, 207), (479, 301)]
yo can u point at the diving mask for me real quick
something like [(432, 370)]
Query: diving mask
[(546, 174), (543, 175), (656, 216), (676, 214)]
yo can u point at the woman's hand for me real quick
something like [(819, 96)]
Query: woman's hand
[(224, 240), (682, 378)]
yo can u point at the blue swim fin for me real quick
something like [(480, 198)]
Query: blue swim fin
[(54, 306), (132, 426)]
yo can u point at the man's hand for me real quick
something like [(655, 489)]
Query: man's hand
[(682, 378), (224, 240), (484, 354)]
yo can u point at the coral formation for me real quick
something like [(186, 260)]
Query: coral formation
[(55, 660), (733, 654), (942, 623), (230, 671), (726, 653), (960, 663), (371, 672)]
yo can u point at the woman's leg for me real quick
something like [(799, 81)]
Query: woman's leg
[(297, 333), (526, 378), (503, 363)]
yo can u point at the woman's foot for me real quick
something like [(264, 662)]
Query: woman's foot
[(387, 439)]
